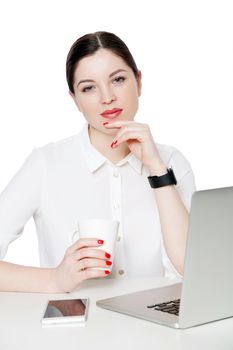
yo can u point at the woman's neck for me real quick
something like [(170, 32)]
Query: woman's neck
[(102, 142)]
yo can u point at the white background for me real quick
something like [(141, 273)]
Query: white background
[(183, 48)]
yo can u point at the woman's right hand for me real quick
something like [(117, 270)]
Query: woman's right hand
[(76, 264)]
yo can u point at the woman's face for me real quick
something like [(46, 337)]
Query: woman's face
[(110, 88)]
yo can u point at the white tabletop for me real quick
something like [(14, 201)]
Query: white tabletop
[(20, 326)]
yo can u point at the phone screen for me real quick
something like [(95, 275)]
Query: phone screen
[(66, 310)]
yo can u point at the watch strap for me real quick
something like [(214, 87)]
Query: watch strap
[(164, 180)]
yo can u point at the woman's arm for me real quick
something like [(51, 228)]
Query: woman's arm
[(173, 213), (19, 278), (75, 267), (174, 219)]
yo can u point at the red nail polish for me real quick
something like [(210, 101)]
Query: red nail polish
[(108, 256), (107, 272), (100, 241), (108, 263), (113, 143), (105, 123)]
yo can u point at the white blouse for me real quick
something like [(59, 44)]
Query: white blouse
[(69, 180)]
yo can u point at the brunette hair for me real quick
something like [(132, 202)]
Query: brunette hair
[(88, 44)]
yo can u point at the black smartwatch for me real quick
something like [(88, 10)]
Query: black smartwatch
[(164, 180)]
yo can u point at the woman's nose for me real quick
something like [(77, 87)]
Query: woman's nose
[(107, 96)]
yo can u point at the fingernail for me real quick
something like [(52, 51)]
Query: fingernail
[(105, 123), (100, 241), (113, 143), (108, 263), (107, 272), (108, 256)]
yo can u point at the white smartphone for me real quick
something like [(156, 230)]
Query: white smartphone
[(65, 311)]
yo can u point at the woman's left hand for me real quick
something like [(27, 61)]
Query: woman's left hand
[(140, 141)]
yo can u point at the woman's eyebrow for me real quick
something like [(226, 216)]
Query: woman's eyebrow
[(110, 75)]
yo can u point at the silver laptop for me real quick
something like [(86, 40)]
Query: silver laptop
[(206, 293)]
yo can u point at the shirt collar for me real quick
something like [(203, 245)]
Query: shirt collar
[(95, 159)]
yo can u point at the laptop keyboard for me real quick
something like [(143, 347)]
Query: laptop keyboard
[(172, 307)]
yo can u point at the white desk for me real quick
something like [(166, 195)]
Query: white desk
[(20, 327)]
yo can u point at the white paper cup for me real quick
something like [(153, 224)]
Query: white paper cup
[(107, 230)]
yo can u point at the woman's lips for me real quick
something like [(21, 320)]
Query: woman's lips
[(112, 115)]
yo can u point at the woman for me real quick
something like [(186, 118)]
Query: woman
[(112, 169)]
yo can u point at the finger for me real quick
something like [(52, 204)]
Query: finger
[(125, 130), (128, 136), (91, 253), (88, 263), (118, 123), (85, 242), (89, 273)]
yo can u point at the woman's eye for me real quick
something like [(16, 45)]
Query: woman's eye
[(119, 79), (87, 88)]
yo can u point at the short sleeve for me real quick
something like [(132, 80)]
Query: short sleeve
[(185, 187), (20, 199)]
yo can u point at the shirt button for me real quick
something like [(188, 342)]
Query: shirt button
[(121, 272), (118, 238), (116, 205), (116, 174)]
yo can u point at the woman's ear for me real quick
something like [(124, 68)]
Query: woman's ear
[(75, 100), (139, 81)]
